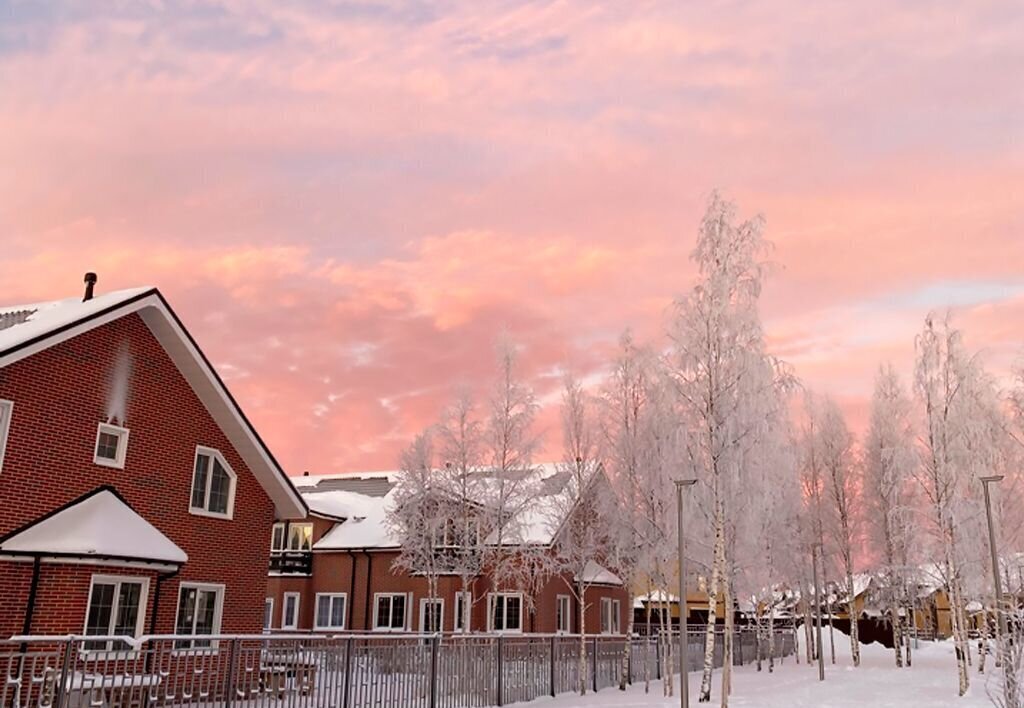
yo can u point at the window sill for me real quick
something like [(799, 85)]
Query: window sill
[(210, 514), (105, 462)]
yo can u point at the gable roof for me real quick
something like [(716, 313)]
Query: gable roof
[(101, 525), (49, 323)]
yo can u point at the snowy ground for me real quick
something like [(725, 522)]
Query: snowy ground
[(876, 684)]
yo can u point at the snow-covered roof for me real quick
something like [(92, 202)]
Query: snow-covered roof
[(28, 329), (99, 525), (596, 574), (365, 528), (337, 504)]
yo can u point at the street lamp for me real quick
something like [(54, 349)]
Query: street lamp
[(684, 688), (1009, 687)]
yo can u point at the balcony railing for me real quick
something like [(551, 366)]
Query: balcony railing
[(291, 562)]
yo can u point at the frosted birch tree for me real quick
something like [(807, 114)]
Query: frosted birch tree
[(418, 514), (575, 511), (838, 462), (890, 462), (717, 363)]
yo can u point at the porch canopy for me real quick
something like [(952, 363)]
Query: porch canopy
[(99, 527)]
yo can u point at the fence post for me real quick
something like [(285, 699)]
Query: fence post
[(435, 645), (62, 678), (553, 691), (500, 672), (229, 687), (593, 652), (347, 690)]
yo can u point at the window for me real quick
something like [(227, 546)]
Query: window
[(390, 612), (290, 611), (463, 607), (213, 485), (461, 535), (291, 537), (111, 446), (610, 611), (563, 614), (506, 612), (268, 614), (116, 607), (431, 615), (199, 611), (330, 611), (6, 409)]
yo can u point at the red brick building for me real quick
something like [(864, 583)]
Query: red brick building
[(335, 571), (132, 487)]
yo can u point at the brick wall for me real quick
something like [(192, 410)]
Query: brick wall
[(341, 572), (60, 396)]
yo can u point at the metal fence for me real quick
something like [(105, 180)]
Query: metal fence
[(336, 671)]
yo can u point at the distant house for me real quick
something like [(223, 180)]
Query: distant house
[(131, 483), (334, 571)]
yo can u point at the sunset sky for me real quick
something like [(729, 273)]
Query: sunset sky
[(347, 202)]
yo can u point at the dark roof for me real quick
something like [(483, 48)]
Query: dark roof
[(368, 486)]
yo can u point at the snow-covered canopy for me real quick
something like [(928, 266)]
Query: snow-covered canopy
[(99, 525), (655, 596)]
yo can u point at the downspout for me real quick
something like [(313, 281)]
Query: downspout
[(366, 608), (350, 609), (156, 597), (33, 590)]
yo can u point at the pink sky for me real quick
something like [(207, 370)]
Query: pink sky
[(347, 202)]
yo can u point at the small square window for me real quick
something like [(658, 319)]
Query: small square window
[(111, 446)]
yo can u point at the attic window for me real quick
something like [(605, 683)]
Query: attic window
[(111, 446), (213, 485)]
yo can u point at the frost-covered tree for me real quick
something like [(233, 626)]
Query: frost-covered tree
[(838, 461), (890, 463), (957, 449), (576, 513), (510, 445), (726, 392), (418, 515), (460, 443)]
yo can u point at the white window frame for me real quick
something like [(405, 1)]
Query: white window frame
[(492, 599), (286, 536), (377, 597), (467, 611), (611, 610), (6, 411), (284, 610), (232, 486), (268, 614), (116, 581), (566, 614), (122, 446), (424, 601), (316, 610), (218, 611)]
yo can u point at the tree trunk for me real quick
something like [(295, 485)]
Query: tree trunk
[(709, 635), (582, 666), (771, 639), (628, 644), (852, 611), (647, 643), (730, 626), (983, 645), (959, 638), (831, 625), (897, 634), (808, 631)]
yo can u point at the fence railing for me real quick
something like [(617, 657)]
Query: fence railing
[(335, 671)]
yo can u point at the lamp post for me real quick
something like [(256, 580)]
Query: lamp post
[(1009, 683), (684, 688), (817, 612)]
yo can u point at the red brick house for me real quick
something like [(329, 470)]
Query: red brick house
[(334, 571), (132, 486)]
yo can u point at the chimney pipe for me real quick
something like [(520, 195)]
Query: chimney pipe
[(90, 283)]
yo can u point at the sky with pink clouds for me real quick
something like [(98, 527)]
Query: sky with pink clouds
[(347, 202)]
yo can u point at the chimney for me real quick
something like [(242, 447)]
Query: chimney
[(90, 283)]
